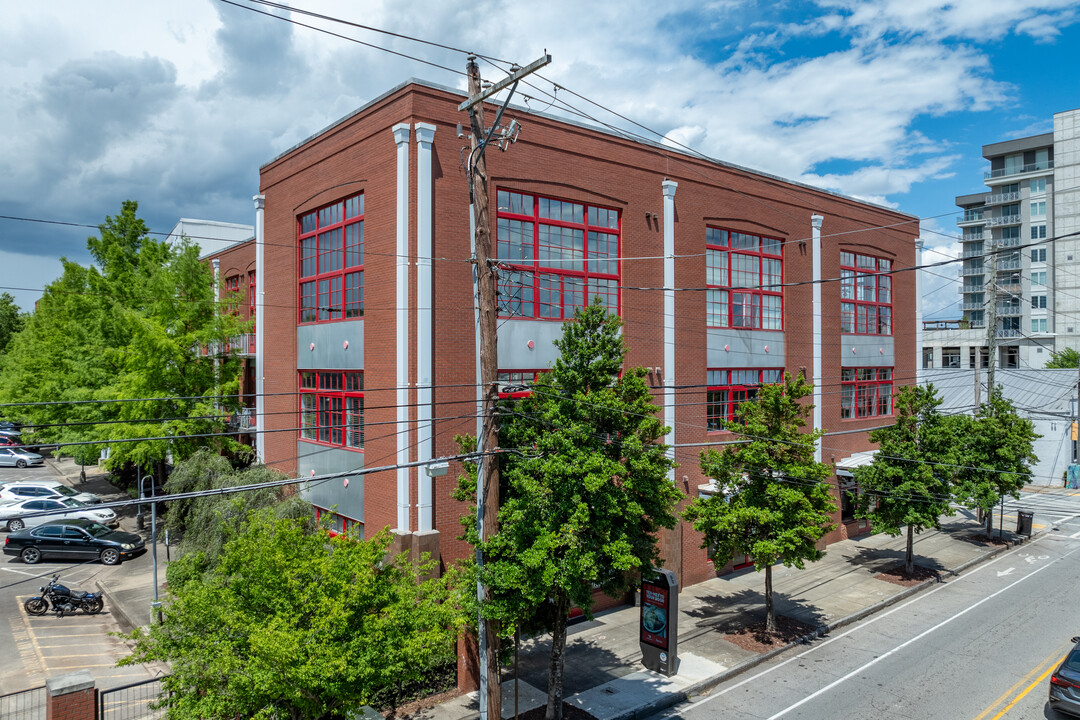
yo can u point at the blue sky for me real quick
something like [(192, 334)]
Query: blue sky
[(177, 105)]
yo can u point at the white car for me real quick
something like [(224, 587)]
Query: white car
[(19, 457), (42, 490), (13, 514)]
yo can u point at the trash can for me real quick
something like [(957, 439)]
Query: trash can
[(1023, 522)]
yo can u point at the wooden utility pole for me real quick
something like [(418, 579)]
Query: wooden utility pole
[(487, 490)]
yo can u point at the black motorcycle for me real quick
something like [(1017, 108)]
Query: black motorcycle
[(63, 600)]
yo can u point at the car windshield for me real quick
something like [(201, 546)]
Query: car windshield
[(72, 503), (1073, 661), (65, 490), (97, 530)]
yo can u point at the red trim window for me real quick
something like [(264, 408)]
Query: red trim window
[(865, 392), (728, 389), (332, 262), (232, 294), (332, 407), (744, 275), (517, 383), (555, 256), (865, 294), (340, 524), (251, 308)]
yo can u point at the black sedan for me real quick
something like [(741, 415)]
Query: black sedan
[(73, 539)]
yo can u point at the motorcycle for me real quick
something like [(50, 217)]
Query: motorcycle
[(63, 600)]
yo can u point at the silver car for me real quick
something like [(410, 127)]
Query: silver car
[(1065, 683), (14, 513), (14, 457)]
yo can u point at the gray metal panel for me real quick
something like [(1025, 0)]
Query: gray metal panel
[(1013, 146), (514, 339), (322, 346), (328, 493), (729, 348), (973, 199), (867, 351)]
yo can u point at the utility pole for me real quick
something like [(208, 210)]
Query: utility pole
[(991, 321), (487, 490)]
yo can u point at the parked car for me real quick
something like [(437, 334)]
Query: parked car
[(9, 425), (54, 489), (15, 438), (12, 513), (1065, 683), (74, 539), (20, 458)]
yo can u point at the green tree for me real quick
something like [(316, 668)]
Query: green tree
[(583, 502), (771, 501), (1064, 359), (11, 320), (297, 625), (995, 451), (131, 326), (907, 485)]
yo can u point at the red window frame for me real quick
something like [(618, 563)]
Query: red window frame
[(730, 388), (555, 255), (251, 309), (330, 262), (744, 274), (331, 408), (865, 294), (339, 524), (865, 392), (232, 293)]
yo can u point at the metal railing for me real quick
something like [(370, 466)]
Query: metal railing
[(24, 705), (979, 270), (1009, 309), (132, 701), (1003, 220), (970, 252), (970, 236), (973, 305), (1010, 242), (969, 218), (1008, 263), (1031, 167), (1004, 197), (1007, 333)]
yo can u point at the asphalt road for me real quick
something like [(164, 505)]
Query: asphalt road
[(37, 648), (977, 647)]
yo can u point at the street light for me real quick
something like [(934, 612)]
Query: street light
[(156, 604)]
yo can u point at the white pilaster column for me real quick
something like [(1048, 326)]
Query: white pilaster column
[(668, 187), (425, 357), (402, 131), (815, 252), (260, 328)]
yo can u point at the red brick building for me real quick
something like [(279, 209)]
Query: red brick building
[(370, 331)]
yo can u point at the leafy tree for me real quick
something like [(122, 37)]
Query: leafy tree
[(130, 326), (1064, 359), (297, 625), (771, 502), (583, 502), (908, 482), (11, 320), (202, 525), (995, 454)]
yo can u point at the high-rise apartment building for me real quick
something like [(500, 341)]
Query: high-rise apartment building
[(1020, 267)]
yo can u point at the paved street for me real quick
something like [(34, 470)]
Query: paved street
[(48, 646), (977, 646)]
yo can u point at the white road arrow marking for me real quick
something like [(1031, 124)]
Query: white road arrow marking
[(1003, 573)]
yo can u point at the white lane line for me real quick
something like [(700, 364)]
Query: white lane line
[(855, 628), (918, 637)]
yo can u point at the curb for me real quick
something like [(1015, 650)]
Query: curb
[(704, 687), (116, 608)]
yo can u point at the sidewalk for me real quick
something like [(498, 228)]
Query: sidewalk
[(604, 676)]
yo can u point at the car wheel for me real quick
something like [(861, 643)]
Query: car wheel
[(14, 525), (20, 464), (110, 556), (31, 555)]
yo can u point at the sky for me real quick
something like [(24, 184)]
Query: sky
[(177, 105)]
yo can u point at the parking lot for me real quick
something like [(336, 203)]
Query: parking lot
[(49, 646)]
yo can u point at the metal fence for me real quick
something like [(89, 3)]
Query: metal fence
[(23, 705), (130, 702)]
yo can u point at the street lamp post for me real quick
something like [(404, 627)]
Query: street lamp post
[(156, 604)]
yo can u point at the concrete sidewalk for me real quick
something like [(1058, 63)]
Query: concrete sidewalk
[(604, 676)]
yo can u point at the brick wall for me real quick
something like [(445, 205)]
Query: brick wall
[(576, 164)]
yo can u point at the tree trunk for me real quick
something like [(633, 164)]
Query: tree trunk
[(909, 552), (558, 660), (770, 614)]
